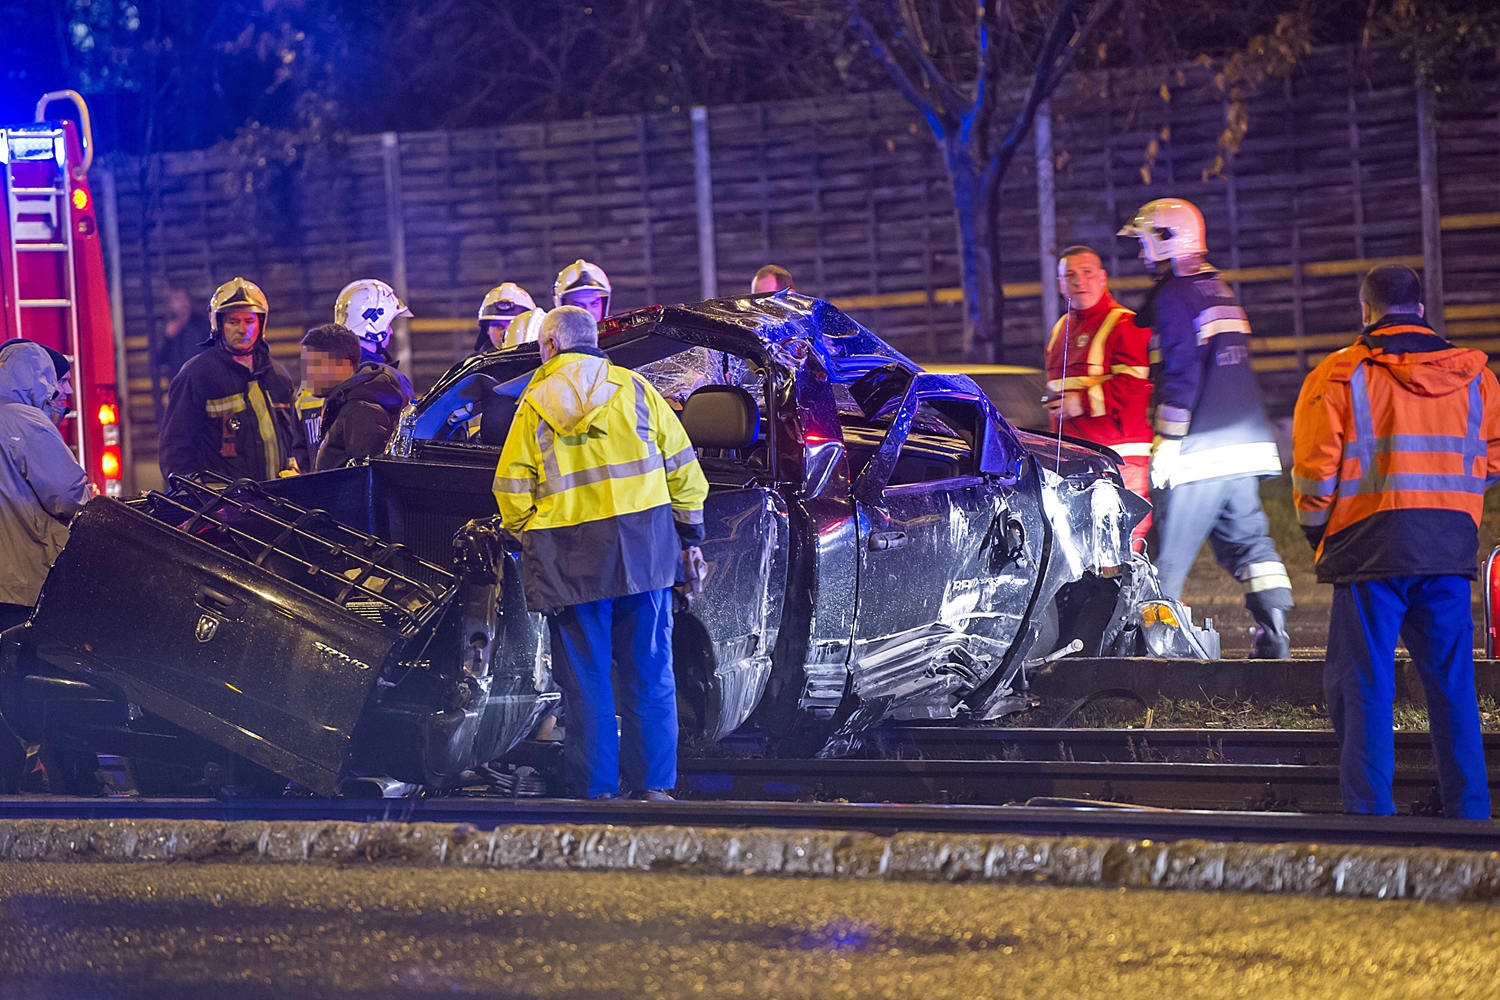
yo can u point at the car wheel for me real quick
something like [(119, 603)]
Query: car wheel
[(70, 771)]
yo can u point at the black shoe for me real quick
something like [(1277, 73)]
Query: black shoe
[(652, 795), (1271, 639)]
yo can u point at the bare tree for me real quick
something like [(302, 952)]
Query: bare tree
[(952, 60)]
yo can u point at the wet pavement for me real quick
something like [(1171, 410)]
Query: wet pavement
[(201, 931)]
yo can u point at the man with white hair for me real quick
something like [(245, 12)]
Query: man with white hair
[(601, 485)]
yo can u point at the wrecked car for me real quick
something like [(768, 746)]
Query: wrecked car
[(881, 545)]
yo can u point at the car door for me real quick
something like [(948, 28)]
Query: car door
[(948, 555)]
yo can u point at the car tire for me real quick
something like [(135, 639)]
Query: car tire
[(70, 771)]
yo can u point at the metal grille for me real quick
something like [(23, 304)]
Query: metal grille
[(377, 580)]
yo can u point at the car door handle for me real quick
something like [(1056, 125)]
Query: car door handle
[(887, 539)]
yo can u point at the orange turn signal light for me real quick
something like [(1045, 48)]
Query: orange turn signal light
[(1159, 613), (109, 463)]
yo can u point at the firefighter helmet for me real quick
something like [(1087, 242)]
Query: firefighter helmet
[(237, 293), (505, 301), (524, 329), (368, 308), (1168, 228), (581, 276)]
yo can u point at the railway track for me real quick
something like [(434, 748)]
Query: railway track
[(1188, 746), (1099, 821)]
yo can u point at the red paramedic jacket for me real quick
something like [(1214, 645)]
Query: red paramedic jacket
[(1108, 364)]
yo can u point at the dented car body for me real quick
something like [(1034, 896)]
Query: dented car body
[(881, 545)]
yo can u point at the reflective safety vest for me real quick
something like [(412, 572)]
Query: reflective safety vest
[(595, 478), (1106, 362), (1378, 432)]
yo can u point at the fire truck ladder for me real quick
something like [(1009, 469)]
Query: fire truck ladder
[(41, 221)]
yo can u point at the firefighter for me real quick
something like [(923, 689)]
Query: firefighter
[(41, 484), (361, 401), (367, 308), (229, 410), (1213, 444), (501, 305), (602, 486), (1103, 396), (583, 285), (771, 278), (1394, 441)]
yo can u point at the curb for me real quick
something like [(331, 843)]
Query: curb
[(1342, 871)]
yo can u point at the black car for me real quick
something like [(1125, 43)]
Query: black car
[(881, 543)]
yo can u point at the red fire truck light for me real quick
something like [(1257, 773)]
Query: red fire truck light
[(109, 413), (109, 463)]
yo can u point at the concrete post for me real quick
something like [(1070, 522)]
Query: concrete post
[(395, 220), (1432, 225), (703, 182), (109, 234), (1046, 213)]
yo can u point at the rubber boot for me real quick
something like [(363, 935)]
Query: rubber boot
[(1271, 640)]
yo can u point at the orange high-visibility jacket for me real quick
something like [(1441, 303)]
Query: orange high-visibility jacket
[(1392, 453)]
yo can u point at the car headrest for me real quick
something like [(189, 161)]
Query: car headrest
[(495, 419), (721, 416)]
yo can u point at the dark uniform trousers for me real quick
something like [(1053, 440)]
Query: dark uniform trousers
[(1227, 514)]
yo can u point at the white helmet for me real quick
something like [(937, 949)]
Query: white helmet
[(1168, 228), (581, 276), (524, 329), (368, 307), (505, 301)]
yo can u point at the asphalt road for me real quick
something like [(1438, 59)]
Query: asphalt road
[(277, 931)]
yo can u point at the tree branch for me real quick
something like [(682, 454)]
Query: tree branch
[(936, 116), (905, 24), (1053, 61)]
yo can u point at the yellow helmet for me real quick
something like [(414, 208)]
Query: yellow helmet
[(1168, 228), (237, 293), (581, 276), (504, 301), (524, 329)]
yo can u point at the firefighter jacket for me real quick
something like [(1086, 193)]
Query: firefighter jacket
[(1206, 394), (359, 415), (1107, 364), (231, 420), (41, 484), (1394, 442), (599, 482)]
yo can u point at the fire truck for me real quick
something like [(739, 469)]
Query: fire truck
[(52, 284)]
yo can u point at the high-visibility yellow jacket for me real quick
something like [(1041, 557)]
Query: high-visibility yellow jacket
[(1394, 442), (599, 482)]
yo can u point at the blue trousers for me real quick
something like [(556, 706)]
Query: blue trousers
[(634, 634), (1227, 514), (1431, 613)]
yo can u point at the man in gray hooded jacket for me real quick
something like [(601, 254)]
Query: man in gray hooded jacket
[(41, 484)]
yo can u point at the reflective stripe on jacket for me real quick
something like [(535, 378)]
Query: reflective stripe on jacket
[(230, 420), (1106, 363), (599, 482), (1395, 440)]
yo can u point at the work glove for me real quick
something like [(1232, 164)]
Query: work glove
[(694, 568), (1166, 462)]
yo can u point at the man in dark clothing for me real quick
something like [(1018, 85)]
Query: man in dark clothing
[(1213, 444), (185, 336), (1395, 440), (361, 402), (229, 410)]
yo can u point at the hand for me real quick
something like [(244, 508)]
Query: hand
[(1072, 405), (694, 568), (1166, 458)]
